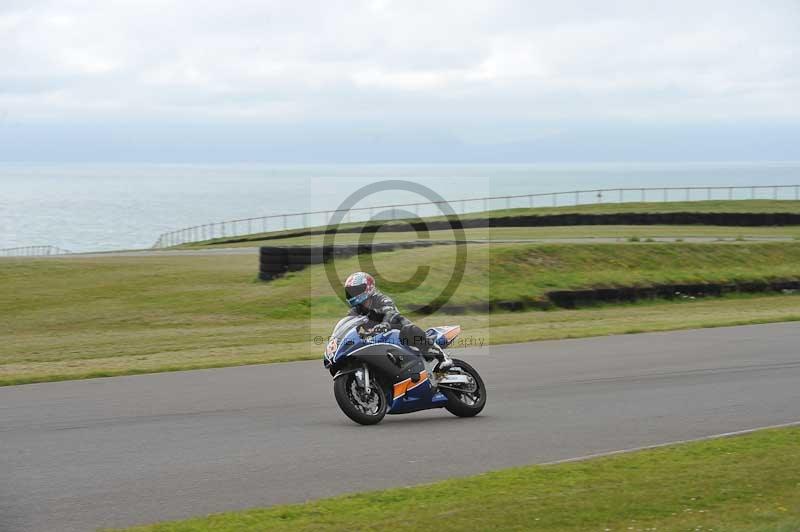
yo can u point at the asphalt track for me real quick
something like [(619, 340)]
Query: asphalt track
[(121, 451)]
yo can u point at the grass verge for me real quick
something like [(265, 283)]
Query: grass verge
[(91, 317), (743, 483)]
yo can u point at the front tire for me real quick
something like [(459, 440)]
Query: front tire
[(466, 404), (361, 408)]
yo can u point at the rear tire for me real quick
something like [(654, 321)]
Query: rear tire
[(463, 404), (344, 391)]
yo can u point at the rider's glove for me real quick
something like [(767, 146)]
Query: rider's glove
[(380, 328)]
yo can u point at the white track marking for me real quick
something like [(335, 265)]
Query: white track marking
[(676, 442)]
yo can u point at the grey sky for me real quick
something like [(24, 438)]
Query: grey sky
[(400, 81)]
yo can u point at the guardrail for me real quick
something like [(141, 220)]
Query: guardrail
[(300, 220), (33, 251)]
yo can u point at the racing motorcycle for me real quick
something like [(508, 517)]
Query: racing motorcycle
[(375, 374)]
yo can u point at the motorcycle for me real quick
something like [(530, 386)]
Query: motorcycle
[(375, 374)]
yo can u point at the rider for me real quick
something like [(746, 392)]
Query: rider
[(366, 300)]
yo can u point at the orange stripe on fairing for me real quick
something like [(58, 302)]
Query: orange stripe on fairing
[(454, 331), (402, 387)]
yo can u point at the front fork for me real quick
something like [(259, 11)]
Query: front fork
[(362, 378)]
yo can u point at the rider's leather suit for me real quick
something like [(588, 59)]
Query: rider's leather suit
[(380, 308)]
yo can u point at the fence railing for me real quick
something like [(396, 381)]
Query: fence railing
[(33, 251), (300, 220)]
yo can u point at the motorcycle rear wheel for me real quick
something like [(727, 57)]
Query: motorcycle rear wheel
[(355, 405), (466, 404)]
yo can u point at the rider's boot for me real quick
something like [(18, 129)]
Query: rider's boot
[(430, 350), (445, 362)]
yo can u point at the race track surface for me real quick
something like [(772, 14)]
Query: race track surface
[(80, 455)]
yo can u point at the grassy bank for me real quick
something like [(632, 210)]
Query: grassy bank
[(715, 206), (620, 232), (84, 317), (744, 483)]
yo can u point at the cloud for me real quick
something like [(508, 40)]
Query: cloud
[(446, 62)]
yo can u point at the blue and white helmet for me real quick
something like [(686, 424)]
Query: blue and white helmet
[(358, 287)]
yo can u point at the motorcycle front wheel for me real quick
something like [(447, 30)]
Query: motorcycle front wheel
[(469, 400), (363, 408)]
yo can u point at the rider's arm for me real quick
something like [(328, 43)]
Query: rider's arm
[(391, 316)]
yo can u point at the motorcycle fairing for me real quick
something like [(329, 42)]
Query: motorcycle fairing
[(410, 396), (400, 367), (444, 336)]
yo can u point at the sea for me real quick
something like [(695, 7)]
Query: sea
[(103, 207)]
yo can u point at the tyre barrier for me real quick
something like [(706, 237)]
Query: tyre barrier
[(275, 261), (572, 299), (728, 219)]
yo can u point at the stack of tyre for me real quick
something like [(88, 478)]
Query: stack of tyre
[(276, 261), (273, 262), (300, 257)]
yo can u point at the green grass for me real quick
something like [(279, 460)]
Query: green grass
[(502, 272), (75, 317), (714, 206), (744, 483), (732, 206), (588, 232)]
